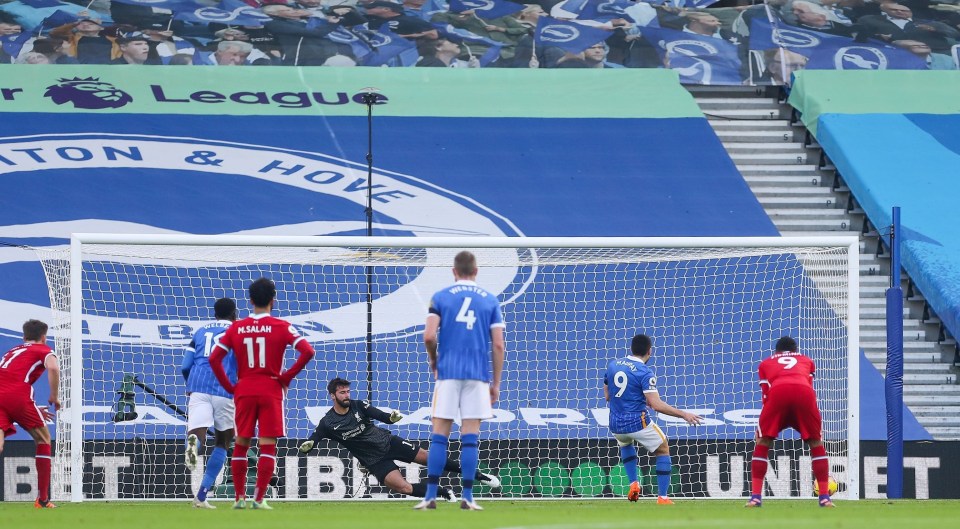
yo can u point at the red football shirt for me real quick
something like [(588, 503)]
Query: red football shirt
[(259, 342), (21, 366), (785, 368)]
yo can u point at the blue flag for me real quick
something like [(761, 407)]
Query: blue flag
[(57, 19), (390, 49), (12, 44), (356, 37), (832, 52), (598, 10), (682, 3), (42, 4), (462, 36), (698, 59), (240, 16), (239, 6), (432, 7), (160, 4), (567, 35), (486, 9)]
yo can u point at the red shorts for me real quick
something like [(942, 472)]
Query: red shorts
[(791, 406), (19, 409), (265, 410)]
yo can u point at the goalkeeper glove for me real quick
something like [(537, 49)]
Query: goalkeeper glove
[(395, 417), (306, 447)]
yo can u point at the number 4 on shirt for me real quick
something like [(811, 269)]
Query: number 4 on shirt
[(466, 315)]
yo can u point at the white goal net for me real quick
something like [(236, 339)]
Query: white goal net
[(127, 305)]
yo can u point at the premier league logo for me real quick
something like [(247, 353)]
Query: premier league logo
[(88, 93)]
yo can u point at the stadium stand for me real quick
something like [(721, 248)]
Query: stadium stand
[(759, 44)]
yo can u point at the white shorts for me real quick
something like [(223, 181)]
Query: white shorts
[(210, 410), (650, 437), (462, 399)]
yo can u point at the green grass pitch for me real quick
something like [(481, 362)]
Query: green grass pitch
[(784, 514)]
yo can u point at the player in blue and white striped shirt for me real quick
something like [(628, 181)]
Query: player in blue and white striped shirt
[(634, 388), (210, 404), (463, 324)]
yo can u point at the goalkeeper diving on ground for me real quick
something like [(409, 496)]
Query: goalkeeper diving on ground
[(349, 424)]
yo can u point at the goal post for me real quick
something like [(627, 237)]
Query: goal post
[(126, 305)]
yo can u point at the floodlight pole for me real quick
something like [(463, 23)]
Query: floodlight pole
[(369, 99)]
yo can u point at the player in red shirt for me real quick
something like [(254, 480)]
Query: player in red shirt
[(258, 341), (789, 401), (20, 367)]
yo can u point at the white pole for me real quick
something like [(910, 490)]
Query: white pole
[(76, 372), (853, 372)]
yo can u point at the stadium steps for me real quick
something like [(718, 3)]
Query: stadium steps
[(769, 158), (803, 197)]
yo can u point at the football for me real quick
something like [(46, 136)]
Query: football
[(831, 486)]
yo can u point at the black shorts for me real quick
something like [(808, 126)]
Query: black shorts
[(400, 450)]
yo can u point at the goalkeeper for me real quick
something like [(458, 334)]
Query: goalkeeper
[(348, 423)]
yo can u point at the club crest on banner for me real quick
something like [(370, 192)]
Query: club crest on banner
[(481, 5), (794, 39), (689, 48), (559, 33), (859, 58), (404, 204)]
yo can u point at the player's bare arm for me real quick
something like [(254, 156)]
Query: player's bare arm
[(430, 341), (53, 378), (657, 404), (498, 344)]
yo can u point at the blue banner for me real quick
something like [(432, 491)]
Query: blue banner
[(13, 44), (569, 36), (389, 49), (225, 14), (41, 4), (698, 59), (159, 4), (486, 8), (465, 37), (598, 10), (831, 52), (57, 19)]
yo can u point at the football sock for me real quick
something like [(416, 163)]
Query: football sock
[(214, 465), (238, 466), (265, 466), (43, 472), (419, 489), (758, 469), (821, 469), (663, 475), (469, 459), (628, 454), (436, 458), (451, 466)]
